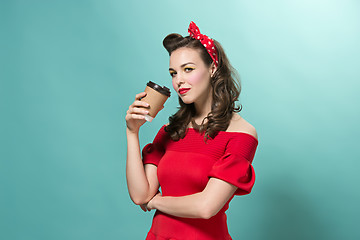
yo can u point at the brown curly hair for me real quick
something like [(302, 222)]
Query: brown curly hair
[(226, 89)]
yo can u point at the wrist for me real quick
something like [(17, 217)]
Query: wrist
[(130, 132), (153, 204), (157, 198)]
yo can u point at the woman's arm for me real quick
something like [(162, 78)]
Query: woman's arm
[(142, 181), (204, 204)]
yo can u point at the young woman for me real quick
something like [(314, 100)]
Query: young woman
[(203, 156)]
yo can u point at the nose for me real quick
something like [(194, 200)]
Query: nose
[(179, 79)]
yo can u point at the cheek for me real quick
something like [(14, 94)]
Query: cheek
[(196, 78)]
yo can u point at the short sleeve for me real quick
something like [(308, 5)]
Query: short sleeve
[(153, 152), (235, 166)]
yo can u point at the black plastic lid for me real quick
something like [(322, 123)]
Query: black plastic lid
[(164, 90)]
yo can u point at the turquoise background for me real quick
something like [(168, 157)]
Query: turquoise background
[(70, 69)]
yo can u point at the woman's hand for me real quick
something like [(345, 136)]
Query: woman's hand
[(135, 116), (144, 207), (150, 205)]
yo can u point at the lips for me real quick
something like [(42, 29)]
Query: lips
[(183, 90)]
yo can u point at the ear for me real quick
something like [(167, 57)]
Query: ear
[(212, 69)]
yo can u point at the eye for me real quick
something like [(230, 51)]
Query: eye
[(188, 69), (172, 73)]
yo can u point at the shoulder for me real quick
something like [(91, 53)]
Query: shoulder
[(161, 132), (239, 124)]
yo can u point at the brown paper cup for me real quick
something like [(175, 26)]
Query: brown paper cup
[(156, 101)]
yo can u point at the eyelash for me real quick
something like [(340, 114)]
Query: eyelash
[(185, 69)]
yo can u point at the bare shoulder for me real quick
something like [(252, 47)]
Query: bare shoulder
[(239, 124)]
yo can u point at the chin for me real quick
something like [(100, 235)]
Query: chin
[(186, 100)]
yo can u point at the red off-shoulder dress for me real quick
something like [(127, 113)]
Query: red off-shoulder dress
[(184, 168)]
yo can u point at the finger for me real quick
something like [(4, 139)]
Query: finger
[(138, 103), (131, 115), (143, 208), (140, 95), (137, 116), (137, 110), (134, 116)]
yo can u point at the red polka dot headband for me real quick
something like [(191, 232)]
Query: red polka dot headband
[(207, 42)]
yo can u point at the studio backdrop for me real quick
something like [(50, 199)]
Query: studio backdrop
[(70, 69)]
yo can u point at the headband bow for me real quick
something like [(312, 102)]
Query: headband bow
[(207, 42)]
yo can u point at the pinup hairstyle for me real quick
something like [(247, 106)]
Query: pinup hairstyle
[(226, 89)]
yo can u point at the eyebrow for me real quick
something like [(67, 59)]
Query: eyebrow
[(183, 65)]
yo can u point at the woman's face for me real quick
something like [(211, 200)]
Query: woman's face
[(190, 75)]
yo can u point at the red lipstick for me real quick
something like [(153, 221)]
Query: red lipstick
[(183, 90)]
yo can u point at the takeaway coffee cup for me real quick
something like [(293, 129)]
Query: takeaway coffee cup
[(156, 97)]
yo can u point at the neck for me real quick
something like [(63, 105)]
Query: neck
[(202, 110)]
